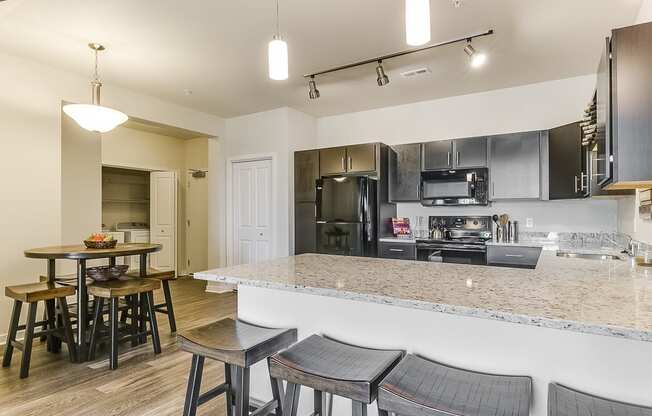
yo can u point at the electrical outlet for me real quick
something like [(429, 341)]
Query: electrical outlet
[(529, 222)]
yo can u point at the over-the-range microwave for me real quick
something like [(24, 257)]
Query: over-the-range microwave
[(454, 187)]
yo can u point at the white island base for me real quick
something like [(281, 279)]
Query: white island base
[(607, 366)]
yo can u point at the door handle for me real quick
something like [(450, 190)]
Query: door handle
[(400, 250), (458, 159), (448, 158), (514, 255), (576, 190), (343, 167), (350, 163)]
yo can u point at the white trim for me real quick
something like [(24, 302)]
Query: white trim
[(272, 157)]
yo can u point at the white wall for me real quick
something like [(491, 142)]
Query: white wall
[(645, 13), (30, 160), (278, 132), (530, 107)]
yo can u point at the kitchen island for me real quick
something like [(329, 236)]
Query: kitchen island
[(583, 323)]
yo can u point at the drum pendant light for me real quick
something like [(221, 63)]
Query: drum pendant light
[(95, 117), (417, 22), (277, 54)]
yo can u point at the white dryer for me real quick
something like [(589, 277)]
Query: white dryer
[(134, 232)]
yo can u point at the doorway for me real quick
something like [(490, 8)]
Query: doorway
[(251, 210)]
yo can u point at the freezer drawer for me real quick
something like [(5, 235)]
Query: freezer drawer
[(509, 256), (401, 251)]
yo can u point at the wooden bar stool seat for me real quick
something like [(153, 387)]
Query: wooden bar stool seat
[(330, 366), (564, 401), (32, 293), (421, 387), (165, 308), (238, 345), (139, 299)]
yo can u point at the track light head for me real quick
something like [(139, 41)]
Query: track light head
[(476, 59), (313, 92), (382, 79)]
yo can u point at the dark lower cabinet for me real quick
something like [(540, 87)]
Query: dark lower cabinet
[(305, 228), (567, 180), (400, 251)]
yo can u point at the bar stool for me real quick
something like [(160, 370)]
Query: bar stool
[(165, 308), (564, 401), (421, 387), (31, 294), (330, 366), (239, 345), (141, 313)]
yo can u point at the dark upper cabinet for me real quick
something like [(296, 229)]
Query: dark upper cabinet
[(405, 173), (567, 179), (470, 152), (455, 154), (438, 155), (347, 159), (361, 158), (305, 228), (332, 161), (514, 167), (306, 172), (631, 106)]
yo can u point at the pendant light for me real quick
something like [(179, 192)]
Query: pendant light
[(277, 53), (417, 22), (95, 117)]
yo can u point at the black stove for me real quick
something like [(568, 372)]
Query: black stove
[(456, 240)]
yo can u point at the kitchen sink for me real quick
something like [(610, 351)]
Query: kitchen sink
[(589, 256)]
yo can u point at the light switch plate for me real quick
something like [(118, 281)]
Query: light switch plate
[(529, 222)]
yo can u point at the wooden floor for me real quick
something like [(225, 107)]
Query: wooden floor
[(144, 384)]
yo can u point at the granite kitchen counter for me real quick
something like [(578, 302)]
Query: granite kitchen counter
[(603, 297)]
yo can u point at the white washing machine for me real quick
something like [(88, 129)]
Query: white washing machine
[(134, 232)]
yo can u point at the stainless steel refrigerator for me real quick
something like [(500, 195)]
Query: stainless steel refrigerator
[(346, 216)]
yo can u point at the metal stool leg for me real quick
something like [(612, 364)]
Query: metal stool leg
[(67, 330), (291, 402), (168, 306), (358, 408), (194, 384), (229, 392), (50, 319), (133, 322), (99, 304), (113, 325), (242, 394), (153, 325), (28, 340), (277, 392), (11, 335)]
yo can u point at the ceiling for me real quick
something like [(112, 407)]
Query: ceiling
[(218, 48)]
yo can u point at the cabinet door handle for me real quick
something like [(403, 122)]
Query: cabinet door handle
[(350, 163), (343, 167), (400, 250), (576, 190), (448, 158), (458, 159), (514, 255)]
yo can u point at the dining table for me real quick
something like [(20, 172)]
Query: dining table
[(81, 254)]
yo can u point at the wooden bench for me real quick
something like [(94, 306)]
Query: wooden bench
[(31, 294)]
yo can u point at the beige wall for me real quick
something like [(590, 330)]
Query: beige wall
[(196, 205), (31, 153)]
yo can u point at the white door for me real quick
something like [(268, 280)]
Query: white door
[(163, 219), (252, 207)]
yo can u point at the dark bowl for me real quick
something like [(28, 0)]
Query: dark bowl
[(106, 273), (100, 244)]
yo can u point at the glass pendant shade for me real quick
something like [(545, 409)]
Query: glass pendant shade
[(95, 118), (278, 59), (417, 22)]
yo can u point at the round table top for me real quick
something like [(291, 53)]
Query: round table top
[(80, 252)]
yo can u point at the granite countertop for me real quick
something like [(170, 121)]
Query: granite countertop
[(604, 297)]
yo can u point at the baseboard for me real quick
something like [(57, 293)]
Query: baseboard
[(217, 287)]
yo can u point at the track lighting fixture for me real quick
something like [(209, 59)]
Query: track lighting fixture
[(417, 22), (313, 92), (476, 59), (382, 79)]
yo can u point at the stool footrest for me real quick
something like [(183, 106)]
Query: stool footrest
[(265, 409), (213, 393)]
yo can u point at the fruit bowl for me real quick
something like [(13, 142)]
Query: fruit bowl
[(100, 244), (106, 273)]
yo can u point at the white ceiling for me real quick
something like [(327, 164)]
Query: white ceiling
[(217, 48)]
